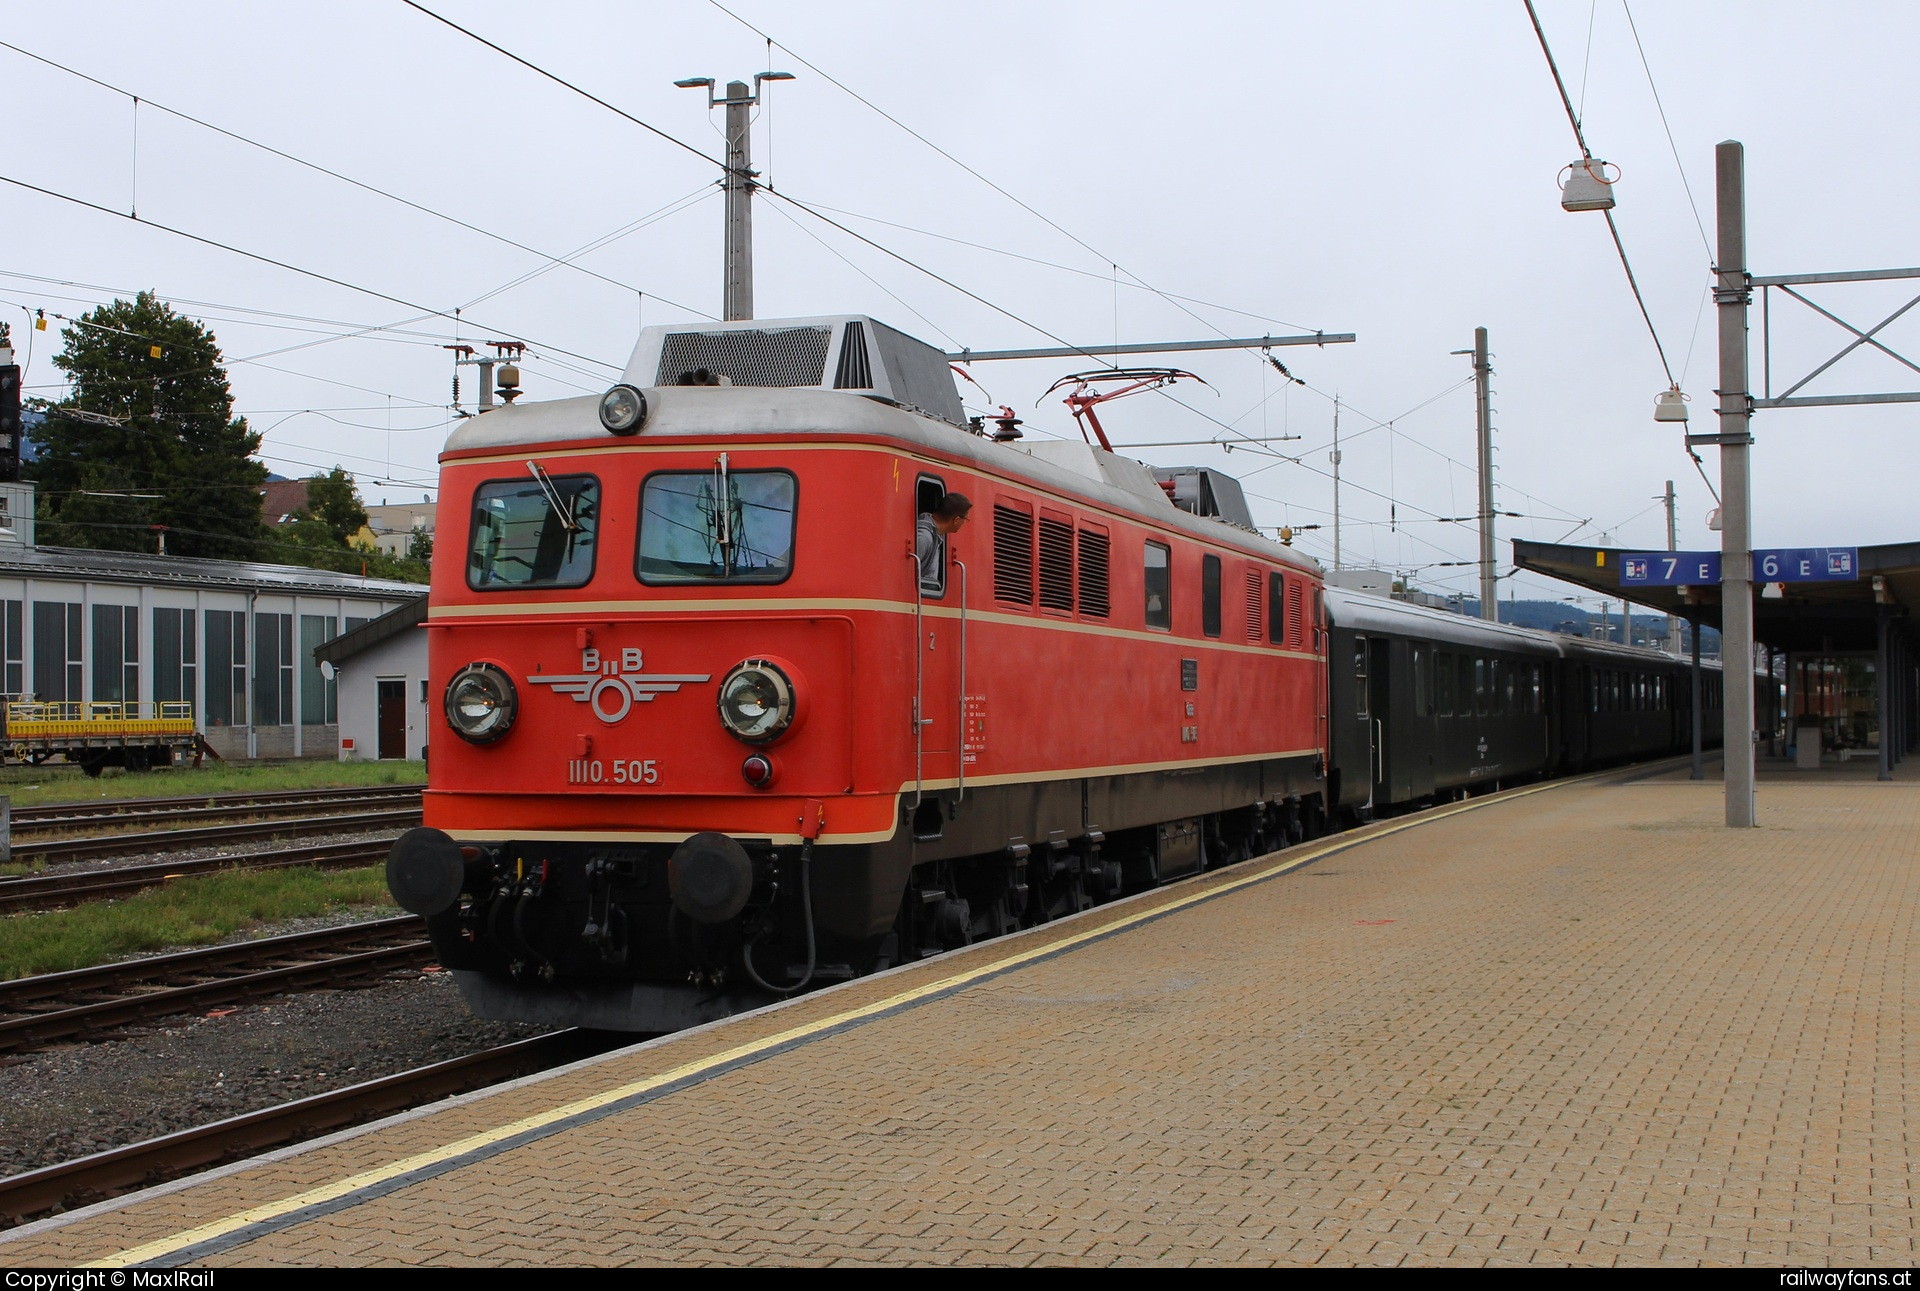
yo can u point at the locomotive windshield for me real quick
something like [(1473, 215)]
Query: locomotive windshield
[(535, 532), (717, 526)]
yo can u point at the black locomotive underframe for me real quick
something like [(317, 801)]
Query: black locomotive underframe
[(586, 934)]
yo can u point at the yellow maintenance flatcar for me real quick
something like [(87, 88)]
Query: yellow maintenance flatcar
[(98, 735)]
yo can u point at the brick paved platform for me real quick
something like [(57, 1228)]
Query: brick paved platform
[(1581, 1025)]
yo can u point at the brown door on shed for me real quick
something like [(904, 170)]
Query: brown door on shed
[(393, 718)]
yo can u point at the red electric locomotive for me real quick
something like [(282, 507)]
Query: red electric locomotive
[(716, 733)]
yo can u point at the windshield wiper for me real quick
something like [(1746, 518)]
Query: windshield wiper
[(553, 498)]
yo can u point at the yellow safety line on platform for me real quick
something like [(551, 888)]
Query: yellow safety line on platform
[(686, 1071)]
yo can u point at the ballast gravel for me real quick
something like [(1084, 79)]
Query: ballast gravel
[(83, 1098)]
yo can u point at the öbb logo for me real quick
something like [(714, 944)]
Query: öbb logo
[(611, 687)]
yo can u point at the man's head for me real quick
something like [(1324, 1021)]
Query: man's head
[(952, 512)]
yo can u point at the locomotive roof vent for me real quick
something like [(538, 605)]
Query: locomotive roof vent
[(1206, 492), (848, 353)]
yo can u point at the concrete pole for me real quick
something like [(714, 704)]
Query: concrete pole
[(739, 189), (1699, 772), (1334, 457), (1483, 428), (1732, 292), (1883, 683), (1673, 544)]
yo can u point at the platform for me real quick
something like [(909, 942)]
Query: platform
[(1578, 1024)]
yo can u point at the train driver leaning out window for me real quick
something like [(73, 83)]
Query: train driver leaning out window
[(930, 533)]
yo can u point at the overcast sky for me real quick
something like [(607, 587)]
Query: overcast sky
[(1144, 172)]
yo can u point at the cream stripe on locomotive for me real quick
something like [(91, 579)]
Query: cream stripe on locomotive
[(517, 613), (929, 785)]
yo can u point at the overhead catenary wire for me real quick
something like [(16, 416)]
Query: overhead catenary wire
[(553, 261), (1586, 154), (282, 264)]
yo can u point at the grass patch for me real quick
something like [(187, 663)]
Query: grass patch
[(185, 913), (35, 786)]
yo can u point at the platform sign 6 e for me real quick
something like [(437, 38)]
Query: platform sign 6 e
[(1669, 569), (1806, 564)]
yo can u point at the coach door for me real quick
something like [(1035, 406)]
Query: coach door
[(1380, 704), (1369, 709)]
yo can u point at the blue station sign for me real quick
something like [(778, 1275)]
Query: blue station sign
[(1806, 564), (1770, 565), (1669, 568)]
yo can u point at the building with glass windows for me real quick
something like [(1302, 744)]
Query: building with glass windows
[(234, 639)]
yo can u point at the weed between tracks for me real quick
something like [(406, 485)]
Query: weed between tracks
[(190, 912), (34, 786)]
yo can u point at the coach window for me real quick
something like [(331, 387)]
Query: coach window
[(1422, 683), (1210, 595), (1159, 585), (1443, 679), (1463, 692), (1360, 688), (536, 531), (717, 526), (1481, 695), (1536, 704)]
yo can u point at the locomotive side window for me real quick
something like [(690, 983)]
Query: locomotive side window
[(533, 532), (1277, 608), (1210, 595), (927, 493), (718, 526), (1159, 582), (1094, 594)]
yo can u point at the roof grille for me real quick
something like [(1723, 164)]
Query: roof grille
[(856, 370), (791, 356)]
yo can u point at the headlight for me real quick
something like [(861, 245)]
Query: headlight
[(481, 703), (622, 409), (757, 701)]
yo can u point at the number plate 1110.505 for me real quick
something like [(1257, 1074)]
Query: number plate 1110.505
[(629, 771)]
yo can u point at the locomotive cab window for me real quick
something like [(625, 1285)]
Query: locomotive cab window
[(927, 493), (717, 526), (534, 532), (1159, 585)]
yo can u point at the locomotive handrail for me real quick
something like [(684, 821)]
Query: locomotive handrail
[(919, 676), (960, 713)]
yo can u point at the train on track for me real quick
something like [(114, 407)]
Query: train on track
[(716, 733)]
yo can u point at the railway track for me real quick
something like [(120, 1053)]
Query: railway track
[(140, 842), (51, 891), (208, 807), (138, 1165), (87, 1002)]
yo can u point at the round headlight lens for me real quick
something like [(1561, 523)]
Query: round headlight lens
[(481, 703), (622, 409), (756, 702)]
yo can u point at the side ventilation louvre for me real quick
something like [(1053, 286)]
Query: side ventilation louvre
[(1093, 574), (1012, 555), (1296, 613), (855, 369), (1056, 565), (1253, 605)]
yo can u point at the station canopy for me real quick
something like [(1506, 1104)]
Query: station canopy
[(1833, 616)]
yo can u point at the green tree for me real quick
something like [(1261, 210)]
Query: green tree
[(334, 501), (150, 412), (420, 547)]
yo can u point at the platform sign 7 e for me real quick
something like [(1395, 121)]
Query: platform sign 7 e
[(1670, 569)]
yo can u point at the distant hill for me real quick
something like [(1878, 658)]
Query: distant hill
[(1565, 617)]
